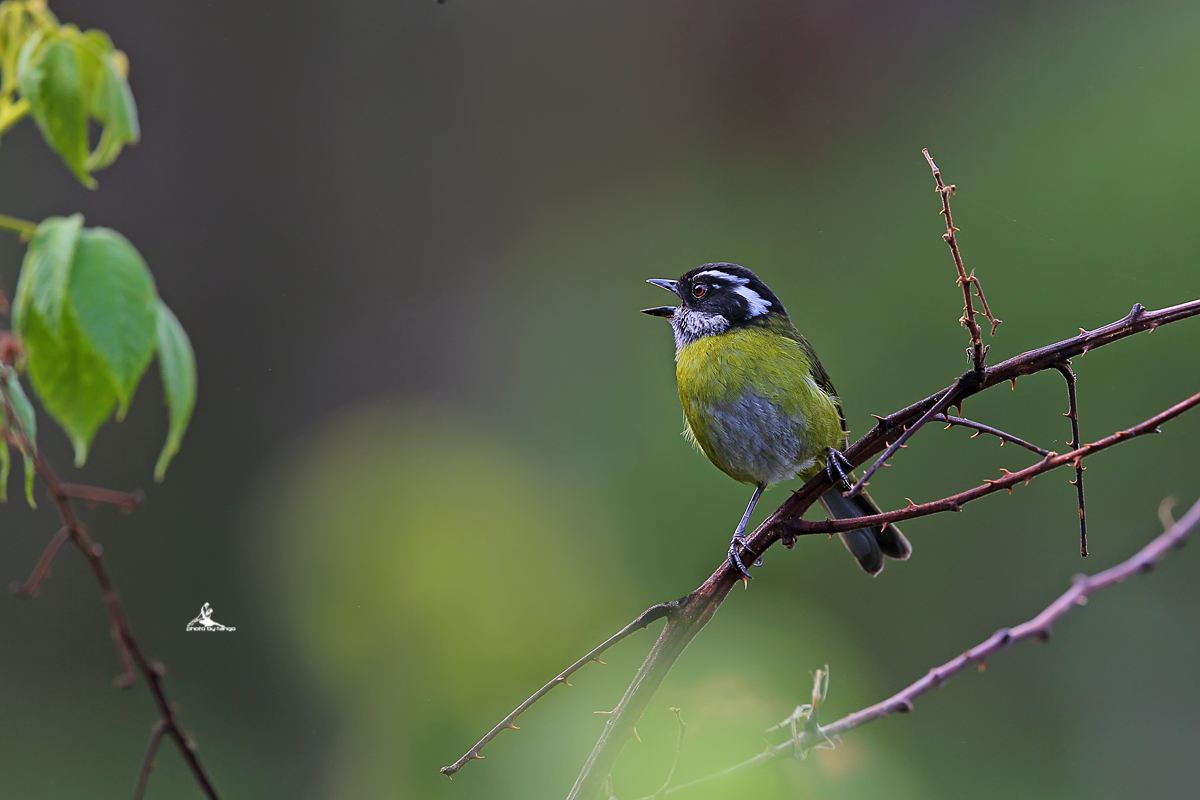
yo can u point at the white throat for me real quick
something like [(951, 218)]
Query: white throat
[(691, 325)]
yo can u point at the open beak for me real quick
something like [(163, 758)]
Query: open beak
[(663, 311)]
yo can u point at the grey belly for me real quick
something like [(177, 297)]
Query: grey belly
[(753, 440)]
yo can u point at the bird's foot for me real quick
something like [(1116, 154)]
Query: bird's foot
[(838, 467), (737, 544)]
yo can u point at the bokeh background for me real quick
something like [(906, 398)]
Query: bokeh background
[(437, 455)]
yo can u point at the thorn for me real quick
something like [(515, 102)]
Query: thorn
[(600, 661), (512, 726), (976, 434), (911, 504), (879, 419), (637, 736), (1013, 382), (745, 582), (982, 666)]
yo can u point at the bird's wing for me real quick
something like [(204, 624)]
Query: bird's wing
[(817, 370)]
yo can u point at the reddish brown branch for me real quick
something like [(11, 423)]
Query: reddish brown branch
[(1072, 413), (980, 429), (1007, 481), (1037, 627), (41, 570), (977, 351), (98, 495), (948, 398), (966, 280), (128, 647)]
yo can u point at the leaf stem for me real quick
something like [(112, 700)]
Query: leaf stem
[(23, 227)]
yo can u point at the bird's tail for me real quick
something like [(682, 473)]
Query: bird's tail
[(867, 545)]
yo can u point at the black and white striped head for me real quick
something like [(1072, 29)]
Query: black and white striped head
[(715, 298)]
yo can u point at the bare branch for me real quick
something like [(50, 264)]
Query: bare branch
[(937, 409), (1037, 627), (1072, 413), (41, 570), (128, 647), (98, 495), (156, 737), (980, 428), (977, 351), (1007, 481), (650, 615), (966, 280)]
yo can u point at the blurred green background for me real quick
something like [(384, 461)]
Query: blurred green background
[(436, 452)]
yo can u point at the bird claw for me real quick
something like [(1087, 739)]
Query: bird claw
[(735, 557), (837, 467)]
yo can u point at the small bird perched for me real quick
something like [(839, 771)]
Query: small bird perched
[(759, 404)]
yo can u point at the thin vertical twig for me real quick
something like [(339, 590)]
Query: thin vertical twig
[(128, 648), (156, 737), (1072, 413), (966, 281)]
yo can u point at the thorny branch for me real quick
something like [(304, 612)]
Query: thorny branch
[(1038, 627), (688, 616), (1072, 413), (966, 280), (980, 429), (128, 647), (977, 351), (1007, 480)]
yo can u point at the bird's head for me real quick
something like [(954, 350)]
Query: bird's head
[(715, 298)]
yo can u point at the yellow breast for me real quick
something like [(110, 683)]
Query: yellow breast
[(752, 405)]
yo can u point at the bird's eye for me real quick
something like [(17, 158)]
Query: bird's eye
[(699, 290)]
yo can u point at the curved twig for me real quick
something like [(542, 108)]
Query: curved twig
[(651, 614), (980, 428)]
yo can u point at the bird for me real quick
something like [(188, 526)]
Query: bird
[(759, 404)]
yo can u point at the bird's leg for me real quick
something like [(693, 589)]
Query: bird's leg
[(738, 541), (837, 467)]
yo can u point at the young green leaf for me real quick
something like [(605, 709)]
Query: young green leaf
[(178, 364), (22, 408), (54, 81), (113, 299), (112, 101), (46, 271), (74, 383), (26, 420)]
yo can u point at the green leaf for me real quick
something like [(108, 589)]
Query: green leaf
[(178, 364), (59, 89), (72, 380), (22, 409), (46, 271), (113, 299), (112, 101), (27, 422)]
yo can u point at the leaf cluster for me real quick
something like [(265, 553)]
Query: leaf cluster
[(86, 309)]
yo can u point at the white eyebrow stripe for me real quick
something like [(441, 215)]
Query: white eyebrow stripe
[(737, 280), (754, 301)]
